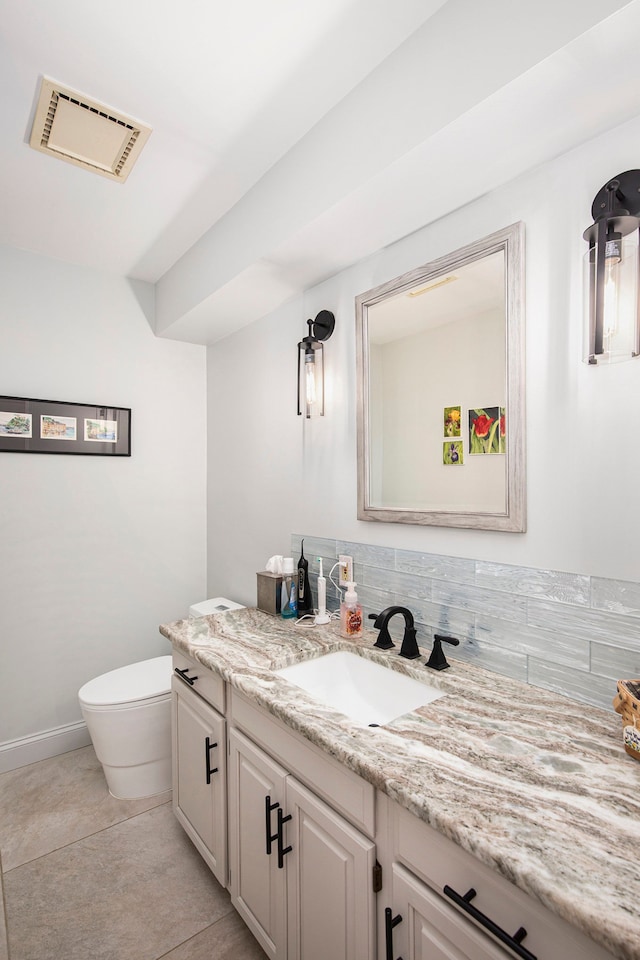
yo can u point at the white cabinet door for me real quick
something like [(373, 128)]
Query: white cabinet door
[(199, 775), (301, 876), (331, 903), (430, 929), (257, 883)]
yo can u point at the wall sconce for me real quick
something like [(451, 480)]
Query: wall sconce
[(311, 365), (611, 269)]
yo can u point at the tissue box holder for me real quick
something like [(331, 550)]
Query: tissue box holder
[(269, 592)]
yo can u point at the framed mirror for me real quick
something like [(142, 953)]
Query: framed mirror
[(441, 391)]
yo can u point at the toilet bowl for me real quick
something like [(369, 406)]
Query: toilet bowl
[(128, 715)]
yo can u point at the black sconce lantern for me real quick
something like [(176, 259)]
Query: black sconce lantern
[(612, 264), (311, 365)]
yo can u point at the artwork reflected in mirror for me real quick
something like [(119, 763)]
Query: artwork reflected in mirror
[(440, 376)]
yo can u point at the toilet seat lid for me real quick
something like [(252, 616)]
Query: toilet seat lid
[(136, 681)]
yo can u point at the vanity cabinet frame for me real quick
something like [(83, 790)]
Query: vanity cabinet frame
[(199, 759), (418, 862), (318, 816), (301, 875)]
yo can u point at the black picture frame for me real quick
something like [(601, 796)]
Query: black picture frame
[(58, 426)]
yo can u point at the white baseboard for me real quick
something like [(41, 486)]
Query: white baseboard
[(40, 746)]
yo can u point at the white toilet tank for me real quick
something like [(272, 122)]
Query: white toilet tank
[(215, 605)]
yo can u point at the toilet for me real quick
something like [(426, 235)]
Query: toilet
[(128, 714)]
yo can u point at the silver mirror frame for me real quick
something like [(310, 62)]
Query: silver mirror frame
[(513, 520)]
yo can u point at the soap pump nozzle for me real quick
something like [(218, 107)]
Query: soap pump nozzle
[(350, 595)]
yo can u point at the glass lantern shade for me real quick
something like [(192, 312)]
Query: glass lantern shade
[(310, 378), (611, 291)]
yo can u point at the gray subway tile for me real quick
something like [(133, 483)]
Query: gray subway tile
[(619, 596), (401, 584), (593, 625), (374, 600), (576, 684), (480, 600), (313, 547), (530, 582), (438, 618), (436, 566), (532, 641), (615, 662), (367, 553), (508, 663)]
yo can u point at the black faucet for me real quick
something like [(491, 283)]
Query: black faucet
[(437, 660), (409, 648)]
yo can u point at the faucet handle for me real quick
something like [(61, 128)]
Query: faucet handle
[(437, 660), (384, 641)]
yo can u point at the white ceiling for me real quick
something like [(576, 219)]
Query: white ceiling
[(288, 135)]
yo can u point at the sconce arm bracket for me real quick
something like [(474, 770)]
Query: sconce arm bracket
[(323, 326), (627, 196)]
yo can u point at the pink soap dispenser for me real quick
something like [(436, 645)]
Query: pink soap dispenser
[(350, 614)]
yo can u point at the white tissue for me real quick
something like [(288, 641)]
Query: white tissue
[(274, 564)]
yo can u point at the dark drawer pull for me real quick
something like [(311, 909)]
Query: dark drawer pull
[(389, 923), (281, 849), (268, 807), (183, 676), (208, 747), (513, 942)]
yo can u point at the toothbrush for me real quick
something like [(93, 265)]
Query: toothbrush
[(322, 616)]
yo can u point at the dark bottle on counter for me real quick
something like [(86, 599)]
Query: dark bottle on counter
[(305, 600)]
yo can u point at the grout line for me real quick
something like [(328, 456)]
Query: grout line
[(87, 836), (168, 952)]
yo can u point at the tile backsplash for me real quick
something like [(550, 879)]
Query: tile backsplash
[(566, 632)]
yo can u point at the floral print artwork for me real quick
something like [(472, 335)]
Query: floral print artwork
[(452, 453), (503, 431), (452, 421), (485, 429)]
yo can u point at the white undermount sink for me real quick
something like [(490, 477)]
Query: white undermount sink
[(363, 690)]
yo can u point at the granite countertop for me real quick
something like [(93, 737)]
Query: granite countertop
[(534, 785)]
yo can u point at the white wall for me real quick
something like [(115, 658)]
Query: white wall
[(94, 552), (271, 474)]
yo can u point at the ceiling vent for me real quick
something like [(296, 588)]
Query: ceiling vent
[(75, 128)]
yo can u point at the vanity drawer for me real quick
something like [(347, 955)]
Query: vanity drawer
[(208, 684), (343, 789), (440, 862)]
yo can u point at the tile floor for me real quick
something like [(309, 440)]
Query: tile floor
[(88, 877)]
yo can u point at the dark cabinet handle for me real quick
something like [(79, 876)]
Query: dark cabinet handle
[(270, 837), (281, 849), (513, 942), (208, 747), (389, 923), (183, 676)]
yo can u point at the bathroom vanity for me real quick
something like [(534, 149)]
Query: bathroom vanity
[(498, 821)]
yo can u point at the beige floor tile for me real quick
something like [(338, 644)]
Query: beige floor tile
[(133, 892), (228, 939), (49, 804)]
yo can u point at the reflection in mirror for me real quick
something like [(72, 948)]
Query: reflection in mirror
[(441, 391)]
